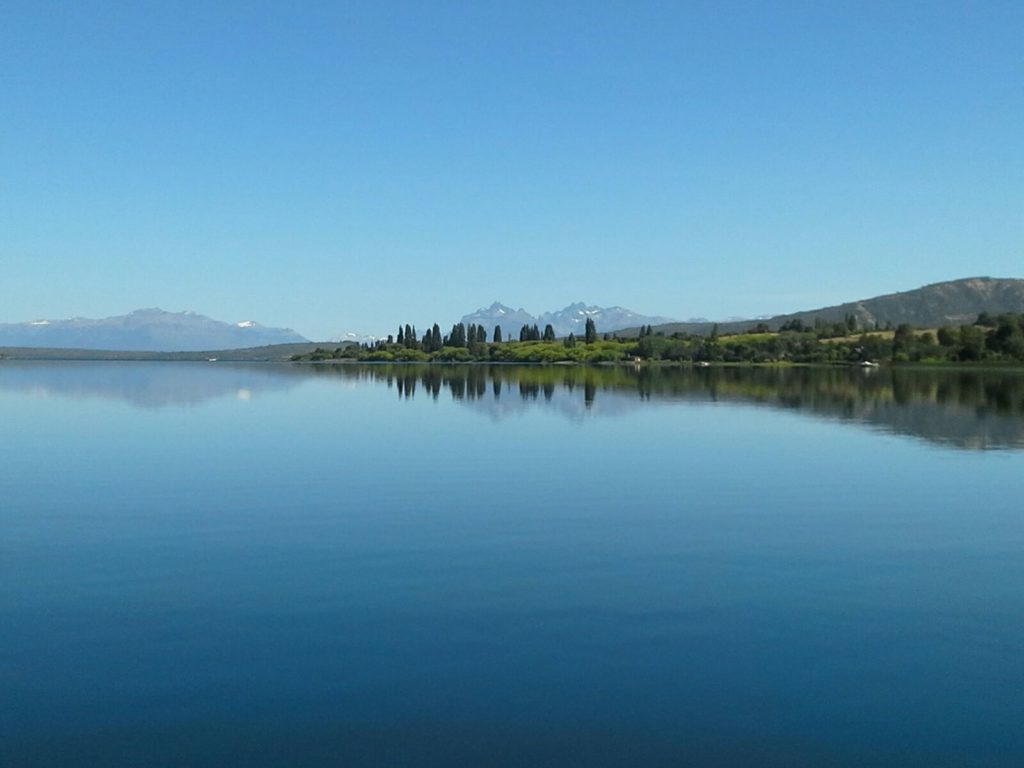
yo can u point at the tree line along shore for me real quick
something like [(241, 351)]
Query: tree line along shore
[(997, 339)]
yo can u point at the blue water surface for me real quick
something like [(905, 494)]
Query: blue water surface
[(261, 565)]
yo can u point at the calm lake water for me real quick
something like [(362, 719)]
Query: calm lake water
[(260, 565)]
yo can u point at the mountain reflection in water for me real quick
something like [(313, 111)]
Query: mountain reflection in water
[(969, 409)]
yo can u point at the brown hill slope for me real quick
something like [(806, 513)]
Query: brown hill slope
[(949, 303)]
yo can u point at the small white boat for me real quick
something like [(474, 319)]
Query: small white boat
[(868, 364)]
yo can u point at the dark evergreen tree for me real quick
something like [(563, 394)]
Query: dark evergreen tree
[(477, 341), (549, 332), (401, 336), (497, 334), (590, 331), (646, 347), (457, 338)]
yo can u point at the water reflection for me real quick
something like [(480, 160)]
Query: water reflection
[(971, 409), (145, 385)]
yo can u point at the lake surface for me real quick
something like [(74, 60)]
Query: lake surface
[(221, 565)]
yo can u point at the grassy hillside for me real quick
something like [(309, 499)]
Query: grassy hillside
[(950, 303)]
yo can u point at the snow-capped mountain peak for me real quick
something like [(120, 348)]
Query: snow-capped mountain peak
[(144, 330), (353, 336), (571, 319)]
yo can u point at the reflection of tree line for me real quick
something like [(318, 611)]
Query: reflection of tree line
[(1000, 391), (965, 407), (477, 382)]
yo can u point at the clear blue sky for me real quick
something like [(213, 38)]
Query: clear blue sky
[(344, 166)]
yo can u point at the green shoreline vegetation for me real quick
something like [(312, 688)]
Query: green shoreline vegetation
[(990, 339)]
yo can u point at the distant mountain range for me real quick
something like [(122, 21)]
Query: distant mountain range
[(353, 337), (953, 302), (572, 319), (155, 331), (145, 330)]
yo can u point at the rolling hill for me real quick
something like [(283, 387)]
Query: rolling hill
[(953, 302)]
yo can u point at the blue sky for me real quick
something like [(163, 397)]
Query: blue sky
[(346, 166)]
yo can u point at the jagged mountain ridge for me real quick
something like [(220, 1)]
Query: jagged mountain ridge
[(571, 319), (144, 330)]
